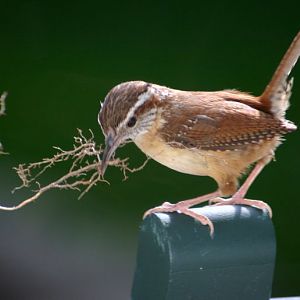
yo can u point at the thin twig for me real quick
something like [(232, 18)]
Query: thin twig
[(2, 112), (2, 103), (82, 174)]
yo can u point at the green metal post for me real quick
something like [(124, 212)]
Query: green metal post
[(178, 260)]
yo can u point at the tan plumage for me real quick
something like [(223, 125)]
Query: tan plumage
[(217, 134)]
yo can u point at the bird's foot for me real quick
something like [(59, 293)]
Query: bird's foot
[(182, 208), (242, 201)]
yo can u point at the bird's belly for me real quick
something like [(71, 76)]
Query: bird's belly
[(218, 165), (182, 160)]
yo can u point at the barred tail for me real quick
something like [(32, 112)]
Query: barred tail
[(277, 93)]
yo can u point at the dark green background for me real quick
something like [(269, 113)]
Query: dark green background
[(57, 61)]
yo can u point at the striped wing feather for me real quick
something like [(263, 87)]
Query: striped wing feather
[(210, 122)]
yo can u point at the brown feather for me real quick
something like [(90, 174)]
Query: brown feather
[(275, 98), (219, 121)]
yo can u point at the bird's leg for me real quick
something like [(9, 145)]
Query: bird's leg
[(238, 197), (181, 205), (184, 208)]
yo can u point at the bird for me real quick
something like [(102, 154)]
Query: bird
[(220, 134)]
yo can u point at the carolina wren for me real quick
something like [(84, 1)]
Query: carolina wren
[(217, 134)]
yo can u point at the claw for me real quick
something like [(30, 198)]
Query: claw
[(204, 220), (214, 200), (241, 201), (165, 207), (180, 208)]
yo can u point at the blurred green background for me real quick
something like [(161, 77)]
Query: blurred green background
[(58, 59)]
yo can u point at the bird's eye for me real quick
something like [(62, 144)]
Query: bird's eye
[(131, 122)]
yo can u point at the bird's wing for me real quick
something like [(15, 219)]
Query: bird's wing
[(223, 125)]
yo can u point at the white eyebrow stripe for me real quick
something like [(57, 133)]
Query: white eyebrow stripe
[(142, 99)]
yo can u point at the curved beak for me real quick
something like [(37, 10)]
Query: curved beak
[(111, 144)]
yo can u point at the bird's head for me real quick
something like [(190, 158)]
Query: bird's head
[(128, 111)]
